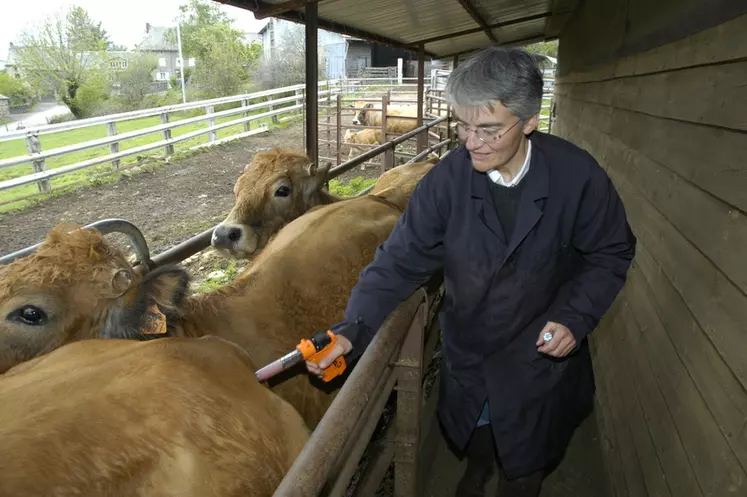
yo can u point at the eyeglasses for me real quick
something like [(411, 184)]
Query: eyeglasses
[(484, 134)]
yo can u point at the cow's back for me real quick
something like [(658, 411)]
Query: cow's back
[(171, 417), (300, 285)]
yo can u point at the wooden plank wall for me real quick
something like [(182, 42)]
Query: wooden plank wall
[(669, 125)]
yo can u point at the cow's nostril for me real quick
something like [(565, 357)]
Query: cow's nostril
[(234, 234)]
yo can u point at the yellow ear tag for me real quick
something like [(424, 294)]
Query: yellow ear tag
[(155, 321)]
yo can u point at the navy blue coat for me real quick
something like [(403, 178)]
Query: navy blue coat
[(566, 262)]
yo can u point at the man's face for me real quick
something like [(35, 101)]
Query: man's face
[(501, 132)]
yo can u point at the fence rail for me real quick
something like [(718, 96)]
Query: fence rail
[(383, 88)]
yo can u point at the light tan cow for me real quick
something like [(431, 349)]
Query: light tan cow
[(277, 187), (298, 285), (175, 417), (399, 120), (363, 136)]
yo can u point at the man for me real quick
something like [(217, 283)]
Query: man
[(535, 246)]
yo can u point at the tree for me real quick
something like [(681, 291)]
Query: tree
[(136, 81), (61, 55), (223, 58), (287, 64), (15, 89), (548, 48)]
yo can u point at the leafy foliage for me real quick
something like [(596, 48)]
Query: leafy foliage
[(60, 55), (14, 89), (224, 59)]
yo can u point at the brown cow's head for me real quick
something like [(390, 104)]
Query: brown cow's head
[(63, 292), (275, 188), (360, 118)]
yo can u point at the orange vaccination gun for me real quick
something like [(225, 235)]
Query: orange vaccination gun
[(309, 349)]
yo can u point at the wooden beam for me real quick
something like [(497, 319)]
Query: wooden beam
[(477, 30), (271, 10), (312, 76), (472, 11)]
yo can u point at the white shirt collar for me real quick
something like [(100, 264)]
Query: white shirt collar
[(498, 177)]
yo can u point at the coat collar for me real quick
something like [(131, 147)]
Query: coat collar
[(530, 210)]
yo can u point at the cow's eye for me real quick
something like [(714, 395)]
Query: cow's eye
[(283, 191), (29, 314)]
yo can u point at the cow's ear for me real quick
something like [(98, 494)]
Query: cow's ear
[(155, 310), (369, 106), (167, 288)]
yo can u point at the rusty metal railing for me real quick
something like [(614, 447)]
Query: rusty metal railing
[(327, 462)]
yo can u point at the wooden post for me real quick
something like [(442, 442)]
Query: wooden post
[(167, 133), (34, 147), (210, 109), (245, 103), (456, 62), (312, 75), (339, 127), (422, 137), (111, 129)]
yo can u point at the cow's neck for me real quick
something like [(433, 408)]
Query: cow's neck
[(323, 197), (227, 312)]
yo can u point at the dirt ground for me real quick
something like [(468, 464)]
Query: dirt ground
[(169, 203)]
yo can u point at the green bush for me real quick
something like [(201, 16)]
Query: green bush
[(16, 90)]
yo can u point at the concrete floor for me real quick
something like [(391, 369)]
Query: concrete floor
[(581, 474)]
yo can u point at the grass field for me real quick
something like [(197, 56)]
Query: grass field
[(11, 199)]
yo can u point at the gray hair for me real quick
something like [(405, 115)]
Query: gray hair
[(508, 75)]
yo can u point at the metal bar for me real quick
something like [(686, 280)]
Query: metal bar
[(348, 165), (185, 249), (105, 226), (409, 401), (350, 456), (422, 138), (338, 122), (310, 470), (422, 155), (312, 75)]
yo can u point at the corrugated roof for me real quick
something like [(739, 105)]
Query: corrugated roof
[(445, 27)]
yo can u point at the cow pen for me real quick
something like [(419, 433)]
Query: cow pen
[(655, 91)]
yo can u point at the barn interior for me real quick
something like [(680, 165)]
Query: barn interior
[(655, 92)]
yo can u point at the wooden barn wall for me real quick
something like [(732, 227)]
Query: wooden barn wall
[(668, 122)]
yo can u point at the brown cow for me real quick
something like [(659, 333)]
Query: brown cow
[(364, 136), (275, 188), (257, 216), (405, 177), (176, 417), (370, 115), (61, 293), (298, 285)]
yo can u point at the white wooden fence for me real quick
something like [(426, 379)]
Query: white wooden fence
[(249, 103)]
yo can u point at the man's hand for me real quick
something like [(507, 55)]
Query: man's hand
[(562, 342), (342, 347)]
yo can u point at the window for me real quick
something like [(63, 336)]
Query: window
[(162, 62), (162, 76), (191, 62), (178, 62)]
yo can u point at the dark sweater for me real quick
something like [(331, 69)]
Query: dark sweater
[(506, 203)]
